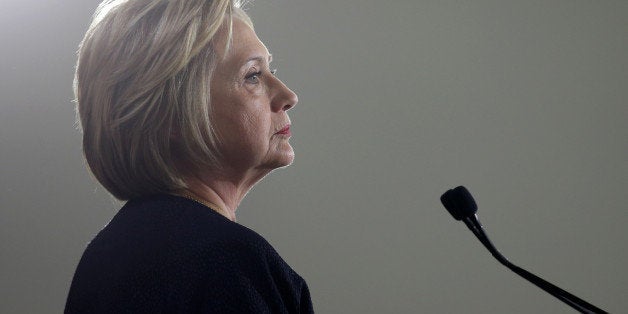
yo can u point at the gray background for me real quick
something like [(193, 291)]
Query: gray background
[(524, 102)]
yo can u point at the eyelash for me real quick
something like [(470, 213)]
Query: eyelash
[(255, 75)]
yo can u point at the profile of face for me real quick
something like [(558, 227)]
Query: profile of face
[(249, 106)]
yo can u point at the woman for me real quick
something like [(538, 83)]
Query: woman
[(181, 116)]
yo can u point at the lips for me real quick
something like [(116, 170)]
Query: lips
[(285, 130)]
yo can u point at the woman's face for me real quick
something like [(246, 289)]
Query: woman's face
[(249, 106)]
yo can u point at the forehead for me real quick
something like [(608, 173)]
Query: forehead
[(244, 45)]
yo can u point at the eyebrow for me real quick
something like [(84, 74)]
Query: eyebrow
[(260, 59)]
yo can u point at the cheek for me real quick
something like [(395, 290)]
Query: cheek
[(243, 123), (254, 127)]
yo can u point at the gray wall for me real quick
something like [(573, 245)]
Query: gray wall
[(524, 102)]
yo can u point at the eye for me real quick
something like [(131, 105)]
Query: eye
[(253, 78)]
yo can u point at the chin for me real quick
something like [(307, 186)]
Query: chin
[(285, 161), (281, 160), (289, 160)]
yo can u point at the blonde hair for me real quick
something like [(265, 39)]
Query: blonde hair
[(142, 87)]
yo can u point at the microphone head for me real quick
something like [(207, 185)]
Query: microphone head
[(459, 203)]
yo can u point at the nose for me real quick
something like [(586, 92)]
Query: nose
[(285, 98)]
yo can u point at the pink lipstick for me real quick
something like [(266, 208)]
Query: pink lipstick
[(285, 130)]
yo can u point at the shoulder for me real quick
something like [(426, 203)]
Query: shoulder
[(180, 226), (254, 275), (184, 226), (170, 246)]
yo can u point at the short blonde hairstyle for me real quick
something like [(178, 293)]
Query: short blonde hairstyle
[(142, 88)]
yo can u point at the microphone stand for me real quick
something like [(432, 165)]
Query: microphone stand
[(582, 306)]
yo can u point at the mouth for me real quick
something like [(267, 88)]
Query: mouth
[(284, 131)]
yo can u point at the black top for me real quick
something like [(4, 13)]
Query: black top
[(168, 254)]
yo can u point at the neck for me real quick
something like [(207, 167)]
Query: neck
[(226, 194)]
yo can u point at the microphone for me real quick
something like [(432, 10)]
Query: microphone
[(461, 205)]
